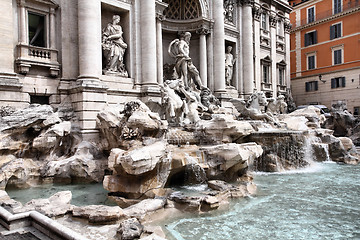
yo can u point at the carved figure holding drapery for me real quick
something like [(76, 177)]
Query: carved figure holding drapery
[(114, 47), (188, 73), (229, 65)]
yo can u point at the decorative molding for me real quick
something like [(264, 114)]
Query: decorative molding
[(273, 19), (287, 27), (203, 30), (257, 12), (351, 11)]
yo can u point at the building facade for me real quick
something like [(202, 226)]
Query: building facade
[(52, 51), (325, 52)]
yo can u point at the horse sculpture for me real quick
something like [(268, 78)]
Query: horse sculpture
[(251, 108)]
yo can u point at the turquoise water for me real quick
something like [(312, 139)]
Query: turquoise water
[(321, 202), (82, 194)]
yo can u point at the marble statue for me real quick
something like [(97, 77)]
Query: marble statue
[(277, 106), (180, 105), (186, 70), (209, 100), (114, 47), (229, 11), (229, 65), (251, 109)]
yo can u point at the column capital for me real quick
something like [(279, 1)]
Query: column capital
[(287, 26), (247, 2), (273, 19), (257, 12), (21, 3), (202, 30), (160, 17)]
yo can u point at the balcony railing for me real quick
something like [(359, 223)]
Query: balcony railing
[(37, 56), (325, 14)]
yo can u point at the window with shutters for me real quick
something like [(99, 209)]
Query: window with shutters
[(311, 86), (335, 31), (310, 38), (338, 55), (337, 6), (311, 60), (311, 14), (338, 82)]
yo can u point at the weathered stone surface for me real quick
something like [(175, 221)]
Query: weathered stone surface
[(296, 123), (312, 114), (86, 165), (144, 207), (223, 128), (98, 213), (141, 160), (153, 233), (150, 162), (130, 229), (20, 172), (219, 185), (58, 204), (25, 118), (226, 160), (119, 125)]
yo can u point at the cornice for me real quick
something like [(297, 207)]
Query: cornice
[(348, 12)]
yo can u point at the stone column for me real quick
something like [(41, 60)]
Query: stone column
[(148, 43), (203, 55), (89, 25), (52, 29), (219, 46), (89, 94), (248, 51), (239, 85), (159, 49)]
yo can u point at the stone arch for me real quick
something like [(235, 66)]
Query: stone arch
[(186, 9)]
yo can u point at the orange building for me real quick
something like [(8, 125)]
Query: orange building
[(325, 52)]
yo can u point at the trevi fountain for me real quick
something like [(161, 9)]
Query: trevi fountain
[(182, 168)]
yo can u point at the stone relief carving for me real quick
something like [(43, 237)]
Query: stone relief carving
[(229, 65), (229, 11), (114, 47)]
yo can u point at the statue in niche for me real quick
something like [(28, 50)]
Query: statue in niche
[(229, 11), (114, 47), (229, 65), (188, 73)]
